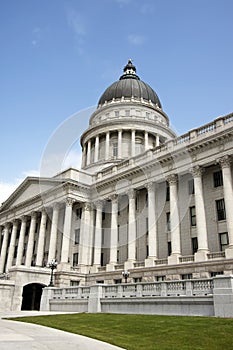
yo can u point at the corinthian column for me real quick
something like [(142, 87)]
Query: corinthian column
[(98, 232), (175, 220), (152, 225), (132, 143), (31, 236), (96, 157), (53, 233), (85, 234), (67, 231), (113, 234), (21, 240), (41, 239), (12, 245), (107, 145), (200, 215), (225, 163), (132, 227), (4, 247)]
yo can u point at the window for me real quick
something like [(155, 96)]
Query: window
[(147, 226), (100, 282), (220, 206), (118, 233), (186, 276), (115, 149), (146, 200), (118, 281), (75, 259), (160, 278), (194, 245), (102, 236), (77, 236), (103, 215), (216, 273), (167, 192), (224, 241), (169, 248), (217, 176), (192, 211), (137, 279), (74, 283), (168, 221), (191, 186), (78, 213), (118, 256), (147, 250)]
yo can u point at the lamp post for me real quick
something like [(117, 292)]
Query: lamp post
[(52, 265), (125, 274)]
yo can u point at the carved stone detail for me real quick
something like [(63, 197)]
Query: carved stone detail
[(224, 162), (197, 171), (172, 179)]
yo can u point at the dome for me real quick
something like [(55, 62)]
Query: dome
[(129, 85)]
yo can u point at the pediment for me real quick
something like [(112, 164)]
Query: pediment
[(28, 189)]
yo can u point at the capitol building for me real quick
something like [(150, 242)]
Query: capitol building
[(146, 202)]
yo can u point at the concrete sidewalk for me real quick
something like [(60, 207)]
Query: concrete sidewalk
[(25, 336)]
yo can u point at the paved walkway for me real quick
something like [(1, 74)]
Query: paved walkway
[(25, 336)]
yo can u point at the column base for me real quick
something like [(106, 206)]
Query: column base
[(149, 262), (229, 253), (110, 267), (173, 259), (201, 255), (129, 264)]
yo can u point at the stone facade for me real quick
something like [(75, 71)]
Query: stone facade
[(144, 200)]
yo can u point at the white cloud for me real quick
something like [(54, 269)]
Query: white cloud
[(76, 22), (136, 39)]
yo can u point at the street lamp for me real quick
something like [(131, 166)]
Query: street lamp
[(52, 265), (125, 274)]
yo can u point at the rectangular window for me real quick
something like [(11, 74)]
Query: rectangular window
[(160, 278), (168, 221), (115, 149), (77, 236), (169, 248), (147, 226), (146, 200), (220, 207), (191, 186), (194, 245), (118, 256), (218, 180), (75, 259), (118, 233), (118, 281), (74, 283), (147, 250), (192, 211), (102, 236), (167, 192), (224, 241), (186, 276), (103, 215), (78, 213)]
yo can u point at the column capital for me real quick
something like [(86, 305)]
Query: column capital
[(87, 206), (7, 225), (131, 193), (99, 205), (172, 179), (224, 162), (69, 201), (56, 205), (24, 218), (113, 197), (33, 214), (15, 222), (150, 186), (197, 171)]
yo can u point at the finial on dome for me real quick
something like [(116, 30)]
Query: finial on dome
[(129, 70)]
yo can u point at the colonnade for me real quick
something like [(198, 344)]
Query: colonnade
[(91, 227), (107, 137)]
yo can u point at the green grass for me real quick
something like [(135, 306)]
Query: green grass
[(146, 332)]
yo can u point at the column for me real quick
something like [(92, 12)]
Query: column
[(31, 238), (21, 240), (175, 222), (85, 236), (119, 143), (132, 227), (225, 163), (200, 215), (157, 141), (107, 145), (152, 225), (53, 233), (146, 141), (132, 143), (67, 231), (98, 233), (84, 156), (4, 247), (41, 240), (89, 152), (96, 158), (113, 233), (12, 245)]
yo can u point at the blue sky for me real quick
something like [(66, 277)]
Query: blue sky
[(58, 56)]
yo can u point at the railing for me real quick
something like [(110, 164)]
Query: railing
[(216, 255), (119, 267), (139, 264), (161, 262), (197, 287), (187, 258)]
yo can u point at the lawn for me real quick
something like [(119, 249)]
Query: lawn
[(146, 332)]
